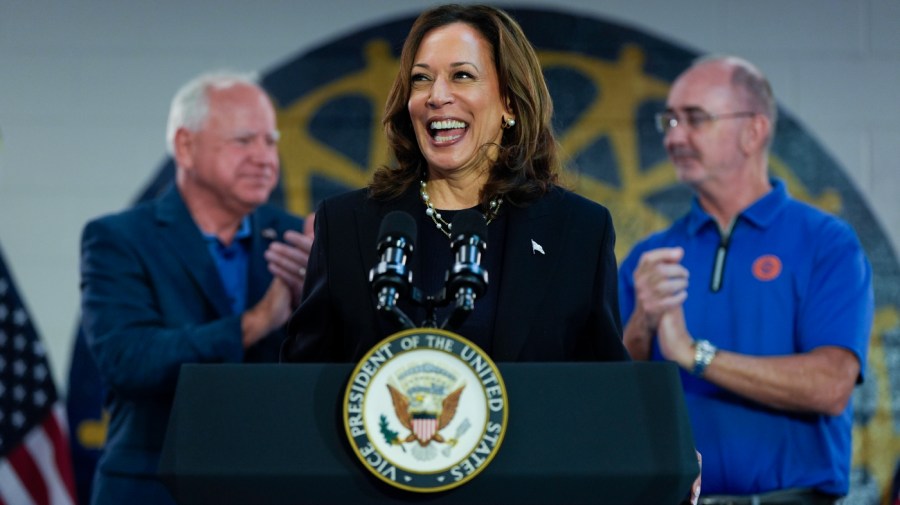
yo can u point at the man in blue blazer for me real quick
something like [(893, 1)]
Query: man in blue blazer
[(207, 273)]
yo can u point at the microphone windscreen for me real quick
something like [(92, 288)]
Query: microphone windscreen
[(469, 222), (397, 223)]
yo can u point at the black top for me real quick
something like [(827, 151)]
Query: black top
[(438, 256), (555, 298)]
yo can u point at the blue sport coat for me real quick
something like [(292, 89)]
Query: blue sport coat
[(152, 300)]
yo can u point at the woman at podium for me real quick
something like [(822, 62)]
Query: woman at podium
[(468, 121)]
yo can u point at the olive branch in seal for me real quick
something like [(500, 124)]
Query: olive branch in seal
[(390, 436)]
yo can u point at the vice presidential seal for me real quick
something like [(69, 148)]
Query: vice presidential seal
[(425, 410)]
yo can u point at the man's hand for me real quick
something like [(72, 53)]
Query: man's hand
[(269, 314), (660, 284), (675, 343), (288, 260)]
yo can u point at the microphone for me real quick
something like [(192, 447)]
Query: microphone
[(466, 280), (391, 278)]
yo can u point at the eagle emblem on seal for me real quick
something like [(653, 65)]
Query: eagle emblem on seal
[(425, 399)]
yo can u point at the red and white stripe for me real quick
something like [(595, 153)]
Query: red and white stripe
[(39, 470), (424, 428)]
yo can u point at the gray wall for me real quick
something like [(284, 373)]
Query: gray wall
[(85, 87)]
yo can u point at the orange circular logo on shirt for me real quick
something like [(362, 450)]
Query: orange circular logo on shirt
[(767, 268)]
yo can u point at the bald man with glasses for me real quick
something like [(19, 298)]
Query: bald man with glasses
[(764, 302)]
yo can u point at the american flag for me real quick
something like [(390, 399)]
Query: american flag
[(35, 466)]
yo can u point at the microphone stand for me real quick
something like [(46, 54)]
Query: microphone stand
[(387, 303), (430, 303), (465, 304)]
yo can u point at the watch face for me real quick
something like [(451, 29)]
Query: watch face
[(703, 356)]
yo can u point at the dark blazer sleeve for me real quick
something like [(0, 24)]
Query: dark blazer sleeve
[(312, 322), (602, 337), (144, 317)]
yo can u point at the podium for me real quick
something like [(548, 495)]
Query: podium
[(601, 433)]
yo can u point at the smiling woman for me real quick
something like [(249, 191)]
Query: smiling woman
[(457, 112), (468, 122), (467, 76)]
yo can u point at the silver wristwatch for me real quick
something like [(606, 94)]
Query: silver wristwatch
[(704, 352)]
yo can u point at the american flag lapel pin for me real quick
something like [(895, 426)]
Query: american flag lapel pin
[(536, 248)]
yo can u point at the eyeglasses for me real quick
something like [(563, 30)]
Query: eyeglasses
[(693, 118)]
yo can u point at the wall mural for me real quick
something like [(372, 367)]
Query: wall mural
[(607, 81)]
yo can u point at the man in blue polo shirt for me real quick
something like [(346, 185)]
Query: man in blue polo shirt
[(765, 302)]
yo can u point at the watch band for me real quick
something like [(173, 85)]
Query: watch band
[(704, 352)]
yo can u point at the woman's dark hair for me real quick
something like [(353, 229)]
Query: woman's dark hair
[(528, 163)]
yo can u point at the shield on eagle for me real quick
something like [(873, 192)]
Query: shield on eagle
[(424, 401)]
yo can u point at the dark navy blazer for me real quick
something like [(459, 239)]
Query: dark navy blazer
[(152, 300)]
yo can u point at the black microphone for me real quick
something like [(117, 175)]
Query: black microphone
[(467, 279), (391, 278)]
